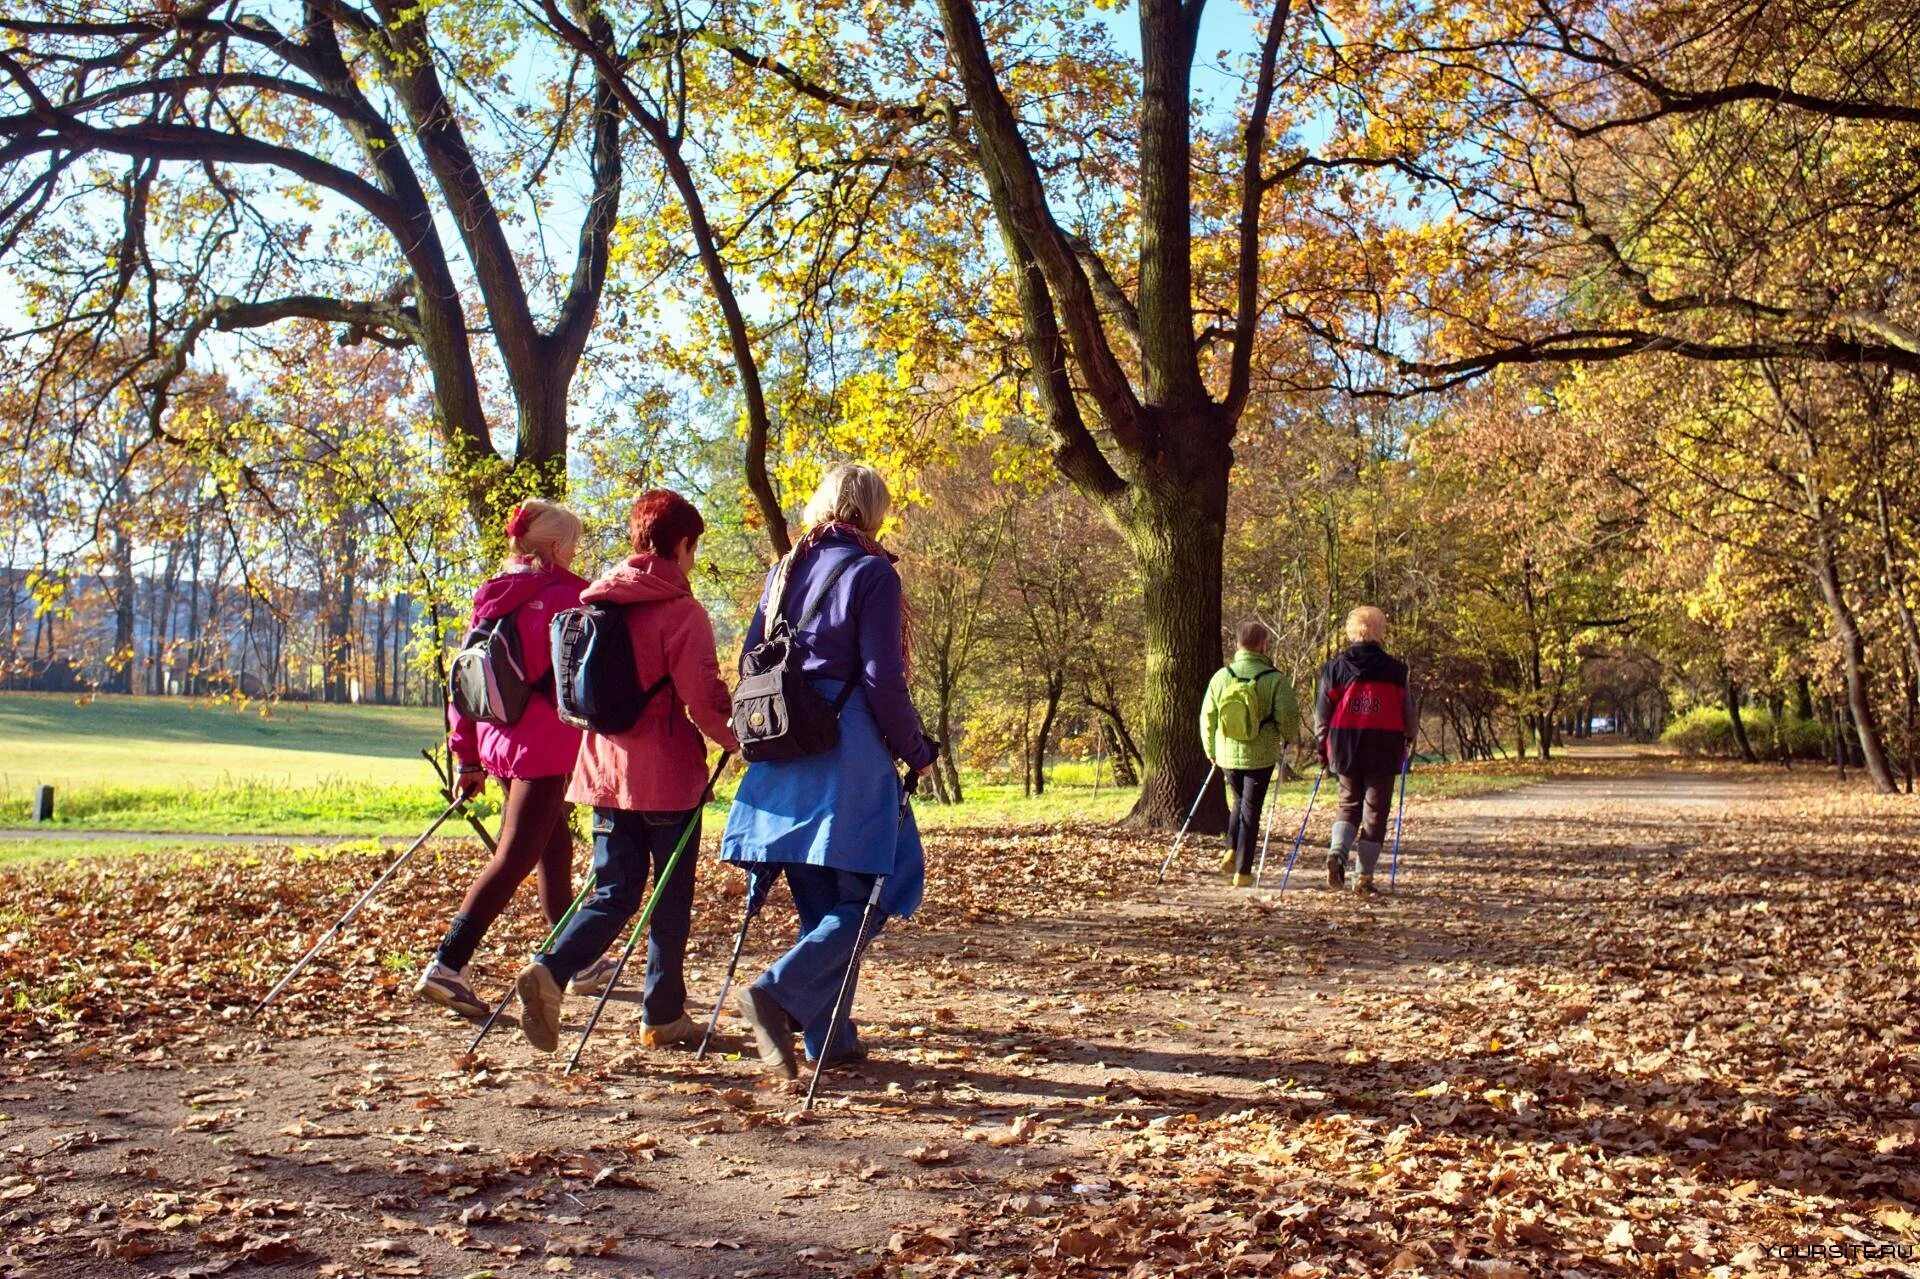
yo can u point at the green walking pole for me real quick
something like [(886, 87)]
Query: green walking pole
[(660, 883)]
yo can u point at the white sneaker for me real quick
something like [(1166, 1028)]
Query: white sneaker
[(593, 979), (448, 988)]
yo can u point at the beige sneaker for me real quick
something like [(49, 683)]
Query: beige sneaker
[(539, 1006), (593, 979), (1363, 887), (682, 1031), (449, 989)]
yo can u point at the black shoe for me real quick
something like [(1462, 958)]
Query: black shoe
[(1336, 871), (772, 1030)]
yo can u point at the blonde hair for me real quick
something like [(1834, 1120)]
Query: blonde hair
[(545, 530), (853, 494), (1366, 625)]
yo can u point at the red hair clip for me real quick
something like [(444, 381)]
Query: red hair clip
[(519, 522)]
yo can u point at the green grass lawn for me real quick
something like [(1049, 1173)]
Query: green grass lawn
[(171, 767), (169, 764), (174, 742)]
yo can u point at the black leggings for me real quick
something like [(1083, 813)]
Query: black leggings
[(534, 834), (1247, 789)]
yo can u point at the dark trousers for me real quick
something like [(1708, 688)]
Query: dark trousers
[(629, 850), (535, 833), (1365, 802), (806, 980), (1247, 792)]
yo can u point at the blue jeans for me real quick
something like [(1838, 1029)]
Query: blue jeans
[(806, 980), (628, 850)]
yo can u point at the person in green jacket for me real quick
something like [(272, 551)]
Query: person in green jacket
[(1248, 718)]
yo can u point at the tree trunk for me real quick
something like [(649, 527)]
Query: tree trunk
[(1056, 684), (1910, 690), (338, 645), (380, 652), (1123, 755), (1106, 704), (1178, 536), (946, 772), (1739, 725), (1896, 579), (1853, 655), (120, 663), (402, 635)]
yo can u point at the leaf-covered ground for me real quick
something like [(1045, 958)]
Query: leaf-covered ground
[(1610, 1025)]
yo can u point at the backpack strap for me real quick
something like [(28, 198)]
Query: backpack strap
[(545, 684), (820, 598), (1272, 700), (826, 589)]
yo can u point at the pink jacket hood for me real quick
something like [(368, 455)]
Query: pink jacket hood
[(660, 764), (499, 596), (643, 579), (538, 744)]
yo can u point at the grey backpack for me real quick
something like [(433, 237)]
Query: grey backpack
[(488, 679)]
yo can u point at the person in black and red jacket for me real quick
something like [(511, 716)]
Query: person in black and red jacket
[(1365, 723)]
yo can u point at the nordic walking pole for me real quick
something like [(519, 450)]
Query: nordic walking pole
[(353, 910), (1300, 838), (446, 788), (1212, 768), (1399, 817), (1265, 835), (513, 989), (846, 987), (841, 1001), (756, 898), (660, 883)]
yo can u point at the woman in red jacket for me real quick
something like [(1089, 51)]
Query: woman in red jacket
[(647, 784), (531, 758)]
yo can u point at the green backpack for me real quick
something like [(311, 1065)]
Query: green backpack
[(1240, 716)]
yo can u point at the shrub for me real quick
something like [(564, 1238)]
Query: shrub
[(1708, 730)]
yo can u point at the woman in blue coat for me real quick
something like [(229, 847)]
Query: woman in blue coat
[(832, 822)]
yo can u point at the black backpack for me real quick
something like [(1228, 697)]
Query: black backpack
[(776, 712), (595, 685), (487, 680)]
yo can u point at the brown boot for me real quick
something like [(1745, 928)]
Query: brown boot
[(682, 1031), (1363, 887)]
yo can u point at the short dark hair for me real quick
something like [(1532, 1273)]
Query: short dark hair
[(1253, 634), (661, 520)]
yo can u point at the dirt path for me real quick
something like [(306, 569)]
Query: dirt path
[(1051, 1026)]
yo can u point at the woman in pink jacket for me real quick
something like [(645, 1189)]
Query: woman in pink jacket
[(532, 758), (647, 784)]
